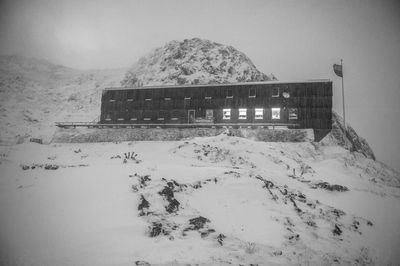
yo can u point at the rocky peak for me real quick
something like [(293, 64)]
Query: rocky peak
[(193, 61)]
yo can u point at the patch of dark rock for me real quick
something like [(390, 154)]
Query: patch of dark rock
[(134, 188), (311, 223), (78, 151), (168, 194), (115, 157), (142, 263), (157, 228), (220, 239), (143, 204), (196, 185), (51, 167), (277, 253), (198, 222), (338, 213), (337, 231), (173, 206), (143, 180), (370, 223), (330, 187), (294, 237), (207, 232), (25, 167), (35, 140)]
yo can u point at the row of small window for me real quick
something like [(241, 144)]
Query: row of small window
[(226, 114), (259, 113), (229, 94)]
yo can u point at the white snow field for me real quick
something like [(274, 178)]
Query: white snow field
[(206, 201)]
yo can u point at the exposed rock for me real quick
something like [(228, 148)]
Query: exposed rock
[(347, 138), (193, 61), (327, 186)]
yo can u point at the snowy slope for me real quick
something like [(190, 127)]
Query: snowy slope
[(193, 61), (35, 93), (207, 201)]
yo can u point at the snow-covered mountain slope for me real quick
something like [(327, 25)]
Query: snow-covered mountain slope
[(207, 201), (193, 61), (35, 93)]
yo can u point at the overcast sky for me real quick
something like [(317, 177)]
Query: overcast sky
[(292, 39)]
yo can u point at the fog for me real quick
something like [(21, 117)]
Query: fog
[(291, 39)]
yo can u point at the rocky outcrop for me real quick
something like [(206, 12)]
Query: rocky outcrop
[(347, 137), (193, 61)]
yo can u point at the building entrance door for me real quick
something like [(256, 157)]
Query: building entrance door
[(191, 116)]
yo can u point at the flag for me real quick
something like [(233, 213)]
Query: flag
[(338, 70)]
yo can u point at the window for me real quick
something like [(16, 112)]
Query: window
[(209, 113), (243, 113), (134, 116), (175, 115), (148, 95), (226, 114), (276, 113), (275, 92), (167, 94), (129, 96), (208, 94), (161, 115), (147, 115), (112, 96), (108, 117), (252, 92), (229, 93), (292, 113), (259, 113)]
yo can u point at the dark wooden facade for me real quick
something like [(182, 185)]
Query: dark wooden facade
[(306, 104)]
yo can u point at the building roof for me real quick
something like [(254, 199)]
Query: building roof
[(224, 84)]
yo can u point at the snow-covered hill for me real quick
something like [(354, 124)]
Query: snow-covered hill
[(35, 93), (207, 201), (193, 61)]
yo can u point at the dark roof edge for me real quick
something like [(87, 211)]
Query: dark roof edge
[(223, 84)]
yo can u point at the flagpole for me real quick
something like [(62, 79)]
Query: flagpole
[(344, 113)]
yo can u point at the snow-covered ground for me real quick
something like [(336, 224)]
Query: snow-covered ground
[(207, 201)]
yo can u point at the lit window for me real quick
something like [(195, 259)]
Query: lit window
[(209, 113), (226, 114), (292, 113), (243, 113), (275, 92), (259, 113), (276, 113), (252, 93), (229, 93)]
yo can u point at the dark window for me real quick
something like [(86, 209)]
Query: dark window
[(293, 113), (147, 115), (112, 96), (208, 94), (130, 96), (229, 93), (167, 94), (175, 115), (187, 94), (161, 115), (252, 92), (148, 95), (134, 116), (275, 92)]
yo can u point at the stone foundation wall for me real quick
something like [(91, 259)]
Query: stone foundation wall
[(81, 135)]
